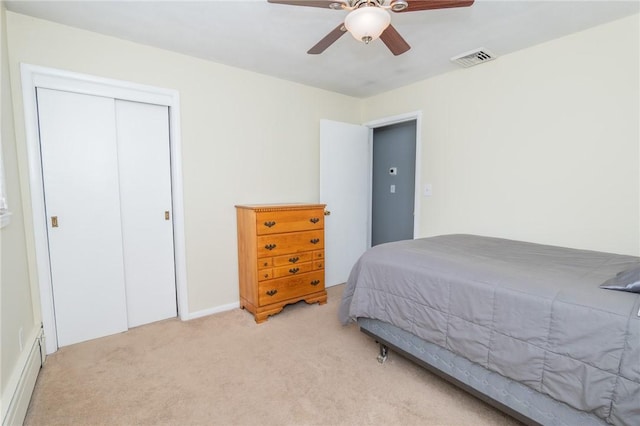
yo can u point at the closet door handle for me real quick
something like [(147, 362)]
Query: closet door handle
[(54, 221), (167, 216)]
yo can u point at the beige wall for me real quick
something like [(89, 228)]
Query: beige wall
[(246, 137), (540, 145), (16, 303)]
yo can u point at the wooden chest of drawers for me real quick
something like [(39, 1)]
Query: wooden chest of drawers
[(280, 256)]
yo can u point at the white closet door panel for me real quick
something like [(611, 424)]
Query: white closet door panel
[(145, 194), (80, 172)]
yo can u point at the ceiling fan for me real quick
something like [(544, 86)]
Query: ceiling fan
[(369, 19)]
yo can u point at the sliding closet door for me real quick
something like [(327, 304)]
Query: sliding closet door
[(81, 186), (107, 185), (145, 197)]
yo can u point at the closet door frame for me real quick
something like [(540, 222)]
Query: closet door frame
[(44, 77)]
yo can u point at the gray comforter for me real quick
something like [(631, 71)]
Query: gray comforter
[(530, 312)]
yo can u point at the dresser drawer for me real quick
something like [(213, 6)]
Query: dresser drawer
[(265, 274), (265, 262), (287, 288), (285, 244), (289, 221), (289, 270), (292, 259)]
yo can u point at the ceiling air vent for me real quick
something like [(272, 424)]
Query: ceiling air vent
[(474, 57)]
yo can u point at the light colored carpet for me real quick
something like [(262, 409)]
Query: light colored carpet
[(301, 367)]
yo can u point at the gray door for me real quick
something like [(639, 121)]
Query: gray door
[(393, 182)]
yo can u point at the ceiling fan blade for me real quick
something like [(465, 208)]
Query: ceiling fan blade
[(416, 5), (313, 3), (394, 41), (328, 40)]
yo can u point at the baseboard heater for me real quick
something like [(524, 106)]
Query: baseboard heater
[(17, 409)]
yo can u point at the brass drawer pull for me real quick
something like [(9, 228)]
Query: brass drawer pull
[(314, 220), (269, 223), (271, 292), (270, 246), (314, 241), (294, 259), (315, 282), (294, 270)]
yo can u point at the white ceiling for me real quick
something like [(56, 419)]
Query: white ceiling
[(273, 39)]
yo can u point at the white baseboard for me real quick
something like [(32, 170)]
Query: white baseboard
[(26, 381), (211, 311)]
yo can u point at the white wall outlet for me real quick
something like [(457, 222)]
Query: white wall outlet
[(428, 191)]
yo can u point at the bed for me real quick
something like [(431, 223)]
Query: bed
[(523, 326)]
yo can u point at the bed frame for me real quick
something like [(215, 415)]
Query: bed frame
[(515, 399)]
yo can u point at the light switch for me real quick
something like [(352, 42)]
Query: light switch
[(428, 190), (392, 189)]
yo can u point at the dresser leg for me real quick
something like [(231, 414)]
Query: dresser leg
[(319, 298), (261, 315), (260, 318)]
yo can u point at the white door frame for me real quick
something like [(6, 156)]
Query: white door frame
[(387, 121), (37, 76)]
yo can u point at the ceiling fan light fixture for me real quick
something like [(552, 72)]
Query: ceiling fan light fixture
[(367, 23), (398, 5)]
